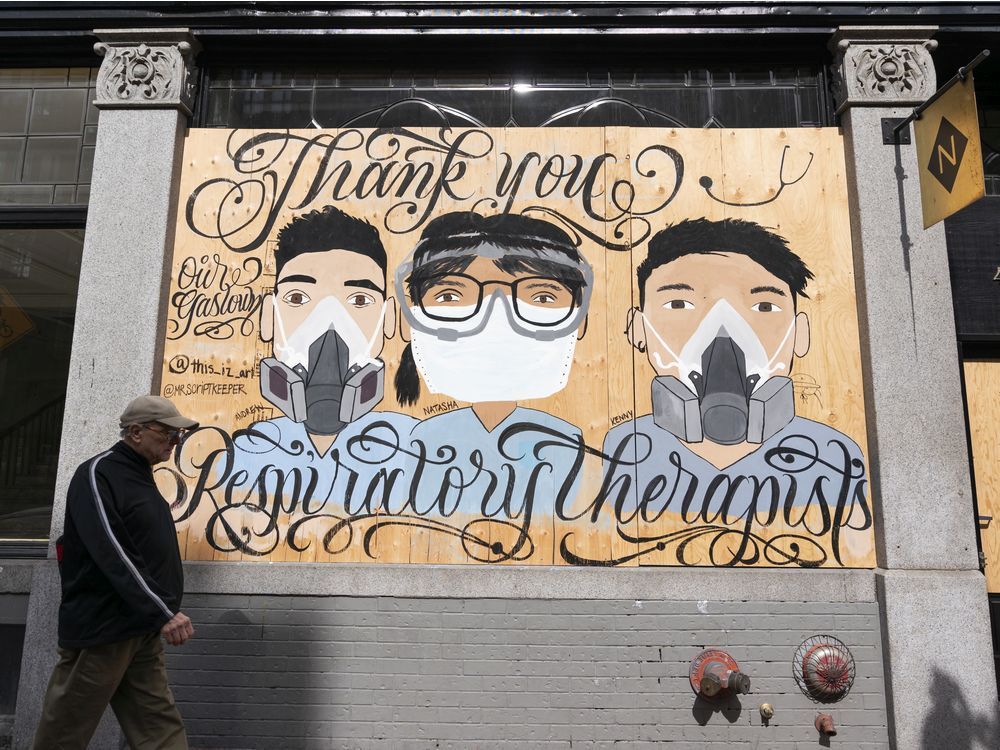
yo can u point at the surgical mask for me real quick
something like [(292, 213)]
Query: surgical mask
[(493, 363), (724, 389), (323, 373)]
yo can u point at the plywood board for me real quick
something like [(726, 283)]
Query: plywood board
[(982, 393), (518, 295)]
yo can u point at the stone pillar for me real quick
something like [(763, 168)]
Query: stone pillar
[(145, 90), (935, 623)]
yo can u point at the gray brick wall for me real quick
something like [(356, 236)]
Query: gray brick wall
[(359, 673)]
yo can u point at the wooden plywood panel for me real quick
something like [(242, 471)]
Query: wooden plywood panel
[(982, 392), (446, 474)]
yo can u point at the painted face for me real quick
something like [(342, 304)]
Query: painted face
[(355, 280), (504, 354), (681, 294)]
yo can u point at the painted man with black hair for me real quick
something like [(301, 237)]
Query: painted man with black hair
[(719, 323), (326, 321), (493, 308)]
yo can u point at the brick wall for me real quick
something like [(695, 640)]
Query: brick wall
[(357, 673)]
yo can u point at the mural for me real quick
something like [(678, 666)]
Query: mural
[(586, 346)]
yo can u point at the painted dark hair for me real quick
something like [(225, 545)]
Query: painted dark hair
[(327, 229), (524, 241), (737, 236)]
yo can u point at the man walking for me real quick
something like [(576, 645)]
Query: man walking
[(122, 583)]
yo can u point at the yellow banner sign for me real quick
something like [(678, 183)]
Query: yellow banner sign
[(582, 346), (14, 323), (949, 153)]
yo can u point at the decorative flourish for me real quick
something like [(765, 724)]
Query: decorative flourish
[(707, 183), (783, 549), (478, 538), (892, 70), (141, 74), (866, 72)]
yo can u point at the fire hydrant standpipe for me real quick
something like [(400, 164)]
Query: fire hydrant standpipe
[(713, 671)]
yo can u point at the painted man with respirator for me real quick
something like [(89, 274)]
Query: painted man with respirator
[(326, 320), (719, 324), (494, 308)]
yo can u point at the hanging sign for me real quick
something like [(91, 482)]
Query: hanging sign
[(949, 153)]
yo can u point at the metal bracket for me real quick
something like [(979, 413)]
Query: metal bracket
[(984, 521), (889, 136)]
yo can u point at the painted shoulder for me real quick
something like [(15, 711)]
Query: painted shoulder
[(643, 425), (524, 414), (824, 435)]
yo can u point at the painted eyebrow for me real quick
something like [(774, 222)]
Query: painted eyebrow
[(668, 287), (771, 289), (545, 285), (447, 282), (302, 278), (365, 284)]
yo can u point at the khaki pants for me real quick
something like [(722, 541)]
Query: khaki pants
[(129, 674)]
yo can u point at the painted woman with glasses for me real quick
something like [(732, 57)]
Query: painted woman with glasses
[(493, 309)]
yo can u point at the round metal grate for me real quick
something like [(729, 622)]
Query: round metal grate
[(823, 668)]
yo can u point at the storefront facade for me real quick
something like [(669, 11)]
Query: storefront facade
[(523, 543)]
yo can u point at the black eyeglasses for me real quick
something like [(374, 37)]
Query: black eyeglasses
[(539, 300)]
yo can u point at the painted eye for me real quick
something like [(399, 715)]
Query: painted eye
[(766, 307), (295, 298), (544, 298), (447, 297), (679, 304), (360, 299)]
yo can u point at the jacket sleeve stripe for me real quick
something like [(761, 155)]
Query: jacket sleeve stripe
[(114, 541)]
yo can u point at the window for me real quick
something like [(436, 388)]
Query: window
[(720, 96), (39, 274), (48, 130)]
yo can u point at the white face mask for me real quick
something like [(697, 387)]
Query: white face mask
[(495, 364), (329, 314), (722, 317)]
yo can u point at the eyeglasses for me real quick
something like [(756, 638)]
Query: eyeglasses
[(538, 300), (170, 435)]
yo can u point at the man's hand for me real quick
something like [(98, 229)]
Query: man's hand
[(178, 630)]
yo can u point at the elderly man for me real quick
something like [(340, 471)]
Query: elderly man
[(122, 583)]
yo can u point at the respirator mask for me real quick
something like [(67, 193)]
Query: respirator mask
[(323, 373), (724, 390)]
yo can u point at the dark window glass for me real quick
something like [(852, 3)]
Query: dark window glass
[(39, 275), (11, 648), (761, 96), (48, 127)]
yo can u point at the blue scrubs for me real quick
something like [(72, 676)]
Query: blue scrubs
[(805, 464), (523, 465)]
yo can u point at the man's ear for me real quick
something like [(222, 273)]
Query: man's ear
[(802, 338), (389, 319), (267, 318), (634, 329), (582, 330)]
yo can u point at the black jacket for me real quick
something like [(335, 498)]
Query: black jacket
[(118, 556)]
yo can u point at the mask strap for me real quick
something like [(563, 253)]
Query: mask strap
[(277, 317), (770, 362), (367, 356), (656, 355)]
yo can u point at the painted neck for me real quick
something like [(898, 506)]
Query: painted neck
[(493, 413)]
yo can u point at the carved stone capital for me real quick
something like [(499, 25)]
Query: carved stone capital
[(882, 66), (146, 68)]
